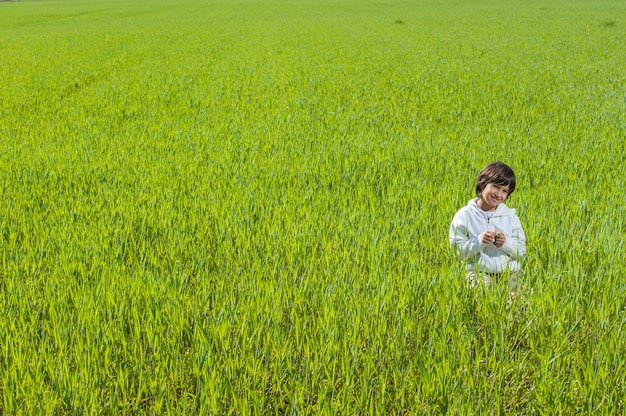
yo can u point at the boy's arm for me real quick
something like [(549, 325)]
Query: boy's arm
[(466, 247), (515, 244)]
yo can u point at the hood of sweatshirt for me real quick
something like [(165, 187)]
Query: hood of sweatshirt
[(501, 210)]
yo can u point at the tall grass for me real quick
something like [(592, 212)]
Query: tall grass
[(242, 208)]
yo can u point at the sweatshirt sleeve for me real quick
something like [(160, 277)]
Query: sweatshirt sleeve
[(465, 245), (515, 244)]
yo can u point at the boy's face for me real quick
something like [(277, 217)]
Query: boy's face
[(492, 196)]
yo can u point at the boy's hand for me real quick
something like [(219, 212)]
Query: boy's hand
[(500, 238), (488, 237), (496, 238)]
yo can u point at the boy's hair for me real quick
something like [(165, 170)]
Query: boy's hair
[(497, 173)]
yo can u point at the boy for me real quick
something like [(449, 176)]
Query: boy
[(486, 233)]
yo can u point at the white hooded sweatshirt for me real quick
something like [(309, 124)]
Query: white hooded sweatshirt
[(468, 225)]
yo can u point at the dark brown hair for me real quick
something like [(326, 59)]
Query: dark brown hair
[(497, 173)]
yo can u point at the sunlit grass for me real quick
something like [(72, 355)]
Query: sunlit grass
[(215, 208)]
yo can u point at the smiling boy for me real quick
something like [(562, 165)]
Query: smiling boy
[(488, 235)]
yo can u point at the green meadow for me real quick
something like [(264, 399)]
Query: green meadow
[(242, 207)]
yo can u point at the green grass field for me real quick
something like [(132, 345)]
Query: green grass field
[(242, 207)]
